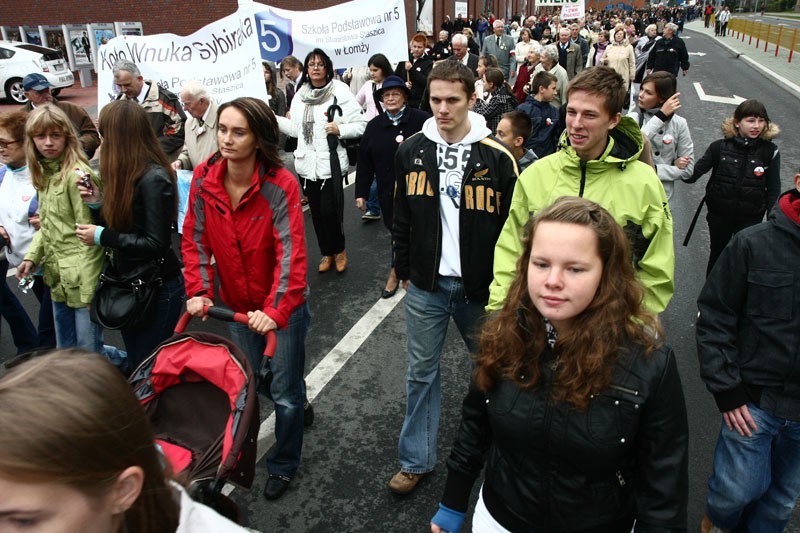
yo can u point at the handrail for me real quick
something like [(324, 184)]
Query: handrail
[(770, 34)]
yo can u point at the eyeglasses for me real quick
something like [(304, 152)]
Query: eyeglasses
[(6, 144), (316, 65)]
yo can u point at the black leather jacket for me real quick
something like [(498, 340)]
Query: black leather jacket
[(551, 469), (151, 238)]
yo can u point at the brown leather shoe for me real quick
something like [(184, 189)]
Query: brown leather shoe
[(341, 261), (706, 526), (326, 263), (405, 482)]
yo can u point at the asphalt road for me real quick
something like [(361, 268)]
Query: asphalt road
[(356, 349)]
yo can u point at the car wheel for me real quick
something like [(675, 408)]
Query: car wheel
[(55, 92), (15, 91)]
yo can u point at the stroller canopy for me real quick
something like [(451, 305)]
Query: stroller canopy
[(199, 392)]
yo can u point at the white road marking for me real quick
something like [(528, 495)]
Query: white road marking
[(330, 365), (735, 100)]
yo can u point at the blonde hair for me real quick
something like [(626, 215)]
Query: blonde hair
[(42, 120)]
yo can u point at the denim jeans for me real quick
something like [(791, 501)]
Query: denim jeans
[(140, 342), (372, 201), (74, 328), (427, 317), (286, 390), (47, 328), (23, 332), (756, 479)]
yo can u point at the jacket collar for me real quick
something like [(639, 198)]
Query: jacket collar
[(625, 143), (213, 180)]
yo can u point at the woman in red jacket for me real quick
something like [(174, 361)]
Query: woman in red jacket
[(245, 212)]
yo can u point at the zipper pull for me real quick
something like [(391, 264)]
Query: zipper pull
[(620, 479)]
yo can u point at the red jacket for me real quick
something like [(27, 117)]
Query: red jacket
[(259, 247)]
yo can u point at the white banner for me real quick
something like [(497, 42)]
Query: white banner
[(349, 33), (570, 9), (223, 56)]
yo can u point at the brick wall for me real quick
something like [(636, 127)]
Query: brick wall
[(157, 16)]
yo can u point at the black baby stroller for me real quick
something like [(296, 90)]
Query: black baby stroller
[(200, 394)]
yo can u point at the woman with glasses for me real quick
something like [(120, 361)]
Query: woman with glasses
[(383, 135), (19, 220), (323, 106)]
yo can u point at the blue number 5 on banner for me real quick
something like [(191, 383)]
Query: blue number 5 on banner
[(274, 35)]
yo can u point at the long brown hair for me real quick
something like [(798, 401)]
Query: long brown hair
[(513, 342), (71, 418), (495, 76), (130, 147), (262, 122), (47, 118), (271, 86)]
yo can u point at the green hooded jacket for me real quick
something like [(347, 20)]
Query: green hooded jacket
[(70, 269), (629, 189)]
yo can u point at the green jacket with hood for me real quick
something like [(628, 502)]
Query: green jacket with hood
[(629, 189), (70, 269)]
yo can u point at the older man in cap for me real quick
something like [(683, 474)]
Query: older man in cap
[(200, 138), (37, 90)]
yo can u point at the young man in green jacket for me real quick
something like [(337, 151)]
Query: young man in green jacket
[(599, 160)]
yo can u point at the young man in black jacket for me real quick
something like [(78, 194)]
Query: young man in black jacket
[(748, 332), (454, 185)]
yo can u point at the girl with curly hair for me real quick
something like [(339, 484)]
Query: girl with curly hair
[(576, 407)]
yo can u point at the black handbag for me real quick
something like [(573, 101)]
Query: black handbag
[(125, 301)]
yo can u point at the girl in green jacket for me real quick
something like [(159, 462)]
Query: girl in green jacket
[(56, 164)]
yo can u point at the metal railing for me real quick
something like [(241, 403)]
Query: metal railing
[(769, 34)]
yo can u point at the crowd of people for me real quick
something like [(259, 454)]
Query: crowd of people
[(524, 171)]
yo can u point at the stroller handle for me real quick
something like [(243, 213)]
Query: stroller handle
[(226, 315)]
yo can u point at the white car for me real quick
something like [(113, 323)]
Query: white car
[(17, 60)]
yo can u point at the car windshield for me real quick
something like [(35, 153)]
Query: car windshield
[(35, 48)]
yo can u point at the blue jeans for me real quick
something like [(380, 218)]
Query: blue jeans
[(47, 329), (286, 390), (23, 332), (427, 317), (756, 479), (74, 328), (372, 201), (140, 342)]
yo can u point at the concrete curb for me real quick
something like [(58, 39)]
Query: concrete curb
[(790, 87)]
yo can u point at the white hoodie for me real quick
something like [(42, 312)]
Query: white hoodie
[(452, 160), (16, 194)]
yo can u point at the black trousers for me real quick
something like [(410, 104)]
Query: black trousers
[(327, 224), (721, 228)]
